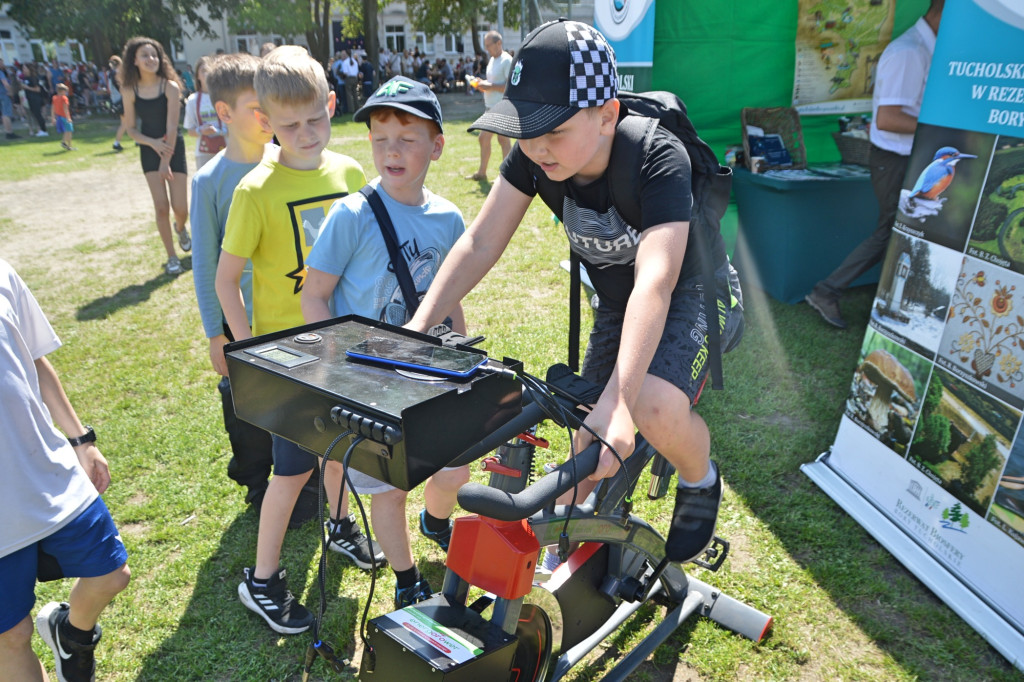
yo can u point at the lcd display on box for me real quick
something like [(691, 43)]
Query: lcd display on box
[(280, 355)]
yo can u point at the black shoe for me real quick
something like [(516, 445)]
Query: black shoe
[(255, 497), (827, 307), (347, 538), (12, 136), (275, 603), (307, 508), (117, 147), (74, 662), (693, 521), (442, 537), (407, 596)]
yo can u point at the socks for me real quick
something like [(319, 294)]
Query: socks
[(434, 524), (706, 482), (342, 526), (73, 634), (407, 578)]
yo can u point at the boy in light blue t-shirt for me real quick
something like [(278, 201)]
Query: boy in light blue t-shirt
[(350, 273)]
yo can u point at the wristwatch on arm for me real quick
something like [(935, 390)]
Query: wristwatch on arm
[(88, 437)]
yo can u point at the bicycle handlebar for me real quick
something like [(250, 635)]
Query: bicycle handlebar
[(503, 506)]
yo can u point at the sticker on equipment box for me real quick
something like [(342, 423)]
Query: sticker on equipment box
[(436, 635)]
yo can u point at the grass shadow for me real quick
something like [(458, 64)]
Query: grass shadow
[(134, 294), (787, 384), (243, 647)]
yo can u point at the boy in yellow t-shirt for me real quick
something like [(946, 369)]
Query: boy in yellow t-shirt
[(275, 215)]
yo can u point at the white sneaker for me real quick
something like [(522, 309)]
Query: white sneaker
[(173, 266), (42, 133)]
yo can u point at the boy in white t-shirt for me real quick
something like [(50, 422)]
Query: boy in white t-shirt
[(55, 522)]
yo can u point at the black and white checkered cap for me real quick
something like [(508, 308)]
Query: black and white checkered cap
[(562, 67), (592, 77)]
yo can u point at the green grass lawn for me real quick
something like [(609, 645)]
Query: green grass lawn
[(135, 366)]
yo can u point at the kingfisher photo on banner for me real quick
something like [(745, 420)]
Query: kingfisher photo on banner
[(929, 455)]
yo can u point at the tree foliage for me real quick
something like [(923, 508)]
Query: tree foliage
[(103, 26), (931, 443), (442, 17), (981, 460), (289, 18), (933, 397)]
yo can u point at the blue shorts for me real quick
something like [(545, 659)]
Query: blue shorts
[(6, 108), (65, 125), (87, 547), (291, 459)]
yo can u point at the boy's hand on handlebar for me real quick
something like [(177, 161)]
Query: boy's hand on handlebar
[(613, 422)]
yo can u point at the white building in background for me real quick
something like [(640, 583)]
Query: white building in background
[(15, 46)]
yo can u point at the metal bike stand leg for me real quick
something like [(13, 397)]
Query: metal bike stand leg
[(652, 641), (576, 654), (731, 613)]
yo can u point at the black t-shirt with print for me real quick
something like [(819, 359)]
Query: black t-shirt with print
[(605, 243)]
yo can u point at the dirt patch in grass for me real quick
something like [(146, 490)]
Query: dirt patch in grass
[(66, 215)]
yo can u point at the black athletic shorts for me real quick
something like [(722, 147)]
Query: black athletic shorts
[(151, 160), (682, 355)]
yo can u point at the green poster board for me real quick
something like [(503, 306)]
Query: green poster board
[(725, 55)]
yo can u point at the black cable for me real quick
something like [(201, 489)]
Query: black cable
[(316, 645), (373, 559), (567, 416), (559, 413)]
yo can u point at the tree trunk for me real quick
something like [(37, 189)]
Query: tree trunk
[(371, 43), (318, 35), (326, 32), (474, 34)]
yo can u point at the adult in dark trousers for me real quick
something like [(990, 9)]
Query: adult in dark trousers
[(899, 86), (36, 94), (350, 72), (366, 78), (339, 83)]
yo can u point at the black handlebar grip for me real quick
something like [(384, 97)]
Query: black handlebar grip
[(498, 504)]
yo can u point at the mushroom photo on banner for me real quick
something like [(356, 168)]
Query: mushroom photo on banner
[(889, 376)]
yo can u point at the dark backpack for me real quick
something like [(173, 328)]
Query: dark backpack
[(710, 185)]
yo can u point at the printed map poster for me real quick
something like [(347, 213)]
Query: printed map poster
[(931, 438), (838, 44)]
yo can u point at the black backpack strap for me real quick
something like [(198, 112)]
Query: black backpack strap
[(632, 140), (574, 311), (387, 230)]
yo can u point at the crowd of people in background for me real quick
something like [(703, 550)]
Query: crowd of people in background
[(441, 74), (29, 87), (48, 97)]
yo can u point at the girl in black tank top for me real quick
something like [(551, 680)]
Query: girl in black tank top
[(151, 92)]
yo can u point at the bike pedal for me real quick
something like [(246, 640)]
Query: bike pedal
[(714, 555)]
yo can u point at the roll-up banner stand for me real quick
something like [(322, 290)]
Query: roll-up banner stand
[(929, 455), (629, 27)]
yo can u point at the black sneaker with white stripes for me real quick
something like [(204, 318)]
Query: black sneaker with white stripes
[(275, 603), (74, 662), (346, 537)]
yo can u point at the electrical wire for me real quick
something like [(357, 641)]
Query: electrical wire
[(539, 390), (373, 559), (316, 645)]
